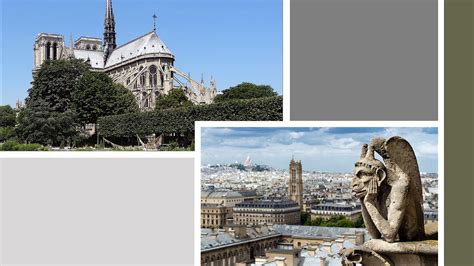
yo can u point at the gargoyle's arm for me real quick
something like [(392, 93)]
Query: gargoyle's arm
[(369, 224), (389, 227)]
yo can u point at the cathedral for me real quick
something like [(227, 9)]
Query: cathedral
[(144, 65)]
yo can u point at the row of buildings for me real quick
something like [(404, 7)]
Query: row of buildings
[(289, 245), (242, 207)]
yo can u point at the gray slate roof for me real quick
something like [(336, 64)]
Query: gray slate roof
[(96, 57), (319, 231), (149, 43), (220, 194)]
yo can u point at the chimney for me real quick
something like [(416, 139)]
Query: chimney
[(326, 247), (339, 242), (322, 261), (359, 240), (261, 260), (280, 261)]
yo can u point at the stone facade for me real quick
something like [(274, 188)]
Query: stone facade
[(144, 65), (327, 210), (214, 215), (266, 212)]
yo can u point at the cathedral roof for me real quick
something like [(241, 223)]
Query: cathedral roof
[(96, 57), (149, 43)]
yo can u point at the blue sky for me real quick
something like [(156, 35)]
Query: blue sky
[(319, 149), (232, 40)]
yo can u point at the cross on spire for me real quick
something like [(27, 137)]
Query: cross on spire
[(154, 22)]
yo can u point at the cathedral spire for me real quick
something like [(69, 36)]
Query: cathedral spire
[(154, 22), (109, 27)]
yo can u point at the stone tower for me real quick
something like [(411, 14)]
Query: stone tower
[(47, 46), (109, 28), (295, 182)]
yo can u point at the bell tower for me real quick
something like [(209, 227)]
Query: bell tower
[(295, 182)]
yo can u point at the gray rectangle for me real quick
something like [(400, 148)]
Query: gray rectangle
[(364, 60), (97, 211)]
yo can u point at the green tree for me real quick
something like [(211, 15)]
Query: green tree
[(305, 218), (359, 222), (54, 83), (7, 116), (41, 125), (96, 95), (48, 117), (175, 98), (245, 90), (7, 133)]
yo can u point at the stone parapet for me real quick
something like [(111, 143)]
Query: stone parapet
[(379, 252)]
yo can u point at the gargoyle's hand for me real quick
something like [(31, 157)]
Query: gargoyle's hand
[(372, 190)]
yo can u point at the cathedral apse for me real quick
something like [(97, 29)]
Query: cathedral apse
[(144, 65)]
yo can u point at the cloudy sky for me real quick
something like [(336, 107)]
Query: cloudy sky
[(319, 149)]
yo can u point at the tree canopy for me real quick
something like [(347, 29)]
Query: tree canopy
[(245, 90), (336, 221), (7, 116), (96, 95), (40, 125), (66, 95), (54, 83), (175, 98)]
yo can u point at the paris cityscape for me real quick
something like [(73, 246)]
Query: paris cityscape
[(255, 213)]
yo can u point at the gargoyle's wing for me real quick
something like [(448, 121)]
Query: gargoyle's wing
[(401, 153)]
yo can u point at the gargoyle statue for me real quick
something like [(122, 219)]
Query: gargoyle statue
[(390, 192)]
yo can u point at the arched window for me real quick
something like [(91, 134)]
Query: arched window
[(88, 47), (142, 77), (94, 47), (153, 76), (48, 50), (55, 51)]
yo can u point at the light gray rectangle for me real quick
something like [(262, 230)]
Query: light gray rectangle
[(97, 211), (364, 60)]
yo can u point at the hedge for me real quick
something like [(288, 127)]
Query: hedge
[(181, 120), (15, 146)]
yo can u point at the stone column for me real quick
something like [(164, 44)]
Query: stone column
[(51, 52)]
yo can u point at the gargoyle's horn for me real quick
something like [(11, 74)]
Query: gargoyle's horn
[(363, 152), (370, 153)]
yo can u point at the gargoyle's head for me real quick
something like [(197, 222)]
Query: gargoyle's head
[(369, 173)]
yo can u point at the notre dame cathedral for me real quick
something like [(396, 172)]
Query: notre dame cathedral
[(144, 65)]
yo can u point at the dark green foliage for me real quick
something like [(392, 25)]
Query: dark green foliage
[(7, 116), (54, 83), (359, 222), (174, 99), (125, 100), (15, 146), (49, 118), (305, 218), (181, 120), (96, 95), (65, 96), (40, 125), (336, 221), (7, 133), (245, 90)]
